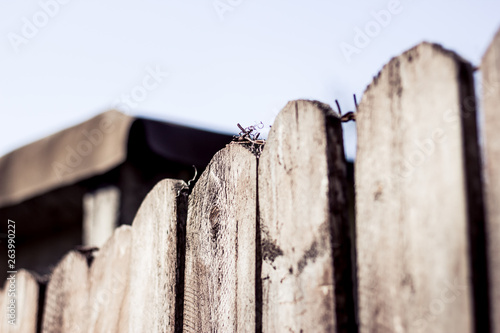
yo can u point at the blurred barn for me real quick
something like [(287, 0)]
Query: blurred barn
[(75, 186)]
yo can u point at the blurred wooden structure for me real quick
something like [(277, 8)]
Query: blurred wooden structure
[(76, 186)]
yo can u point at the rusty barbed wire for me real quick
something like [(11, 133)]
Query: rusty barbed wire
[(249, 137), (351, 115)]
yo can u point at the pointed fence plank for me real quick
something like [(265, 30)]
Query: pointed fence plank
[(490, 69), (108, 283), (66, 300), (306, 239), (419, 212), (153, 296), (20, 315), (220, 245)]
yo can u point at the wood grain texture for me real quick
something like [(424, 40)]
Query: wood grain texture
[(26, 304), (490, 70), (418, 197), (66, 300), (306, 243), (108, 279), (220, 245), (154, 266)]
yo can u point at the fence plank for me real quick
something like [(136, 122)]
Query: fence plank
[(490, 69), (306, 241), (220, 245), (154, 265), (66, 300), (108, 283), (419, 197), (26, 304)]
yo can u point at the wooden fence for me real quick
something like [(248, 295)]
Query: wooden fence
[(265, 244)]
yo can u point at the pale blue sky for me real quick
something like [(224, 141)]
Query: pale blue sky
[(241, 65)]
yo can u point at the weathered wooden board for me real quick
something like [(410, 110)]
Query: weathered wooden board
[(419, 211), (306, 273), (66, 299), (108, 280), (219, 293), (490, 69), (154, 264), (25, 294)]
